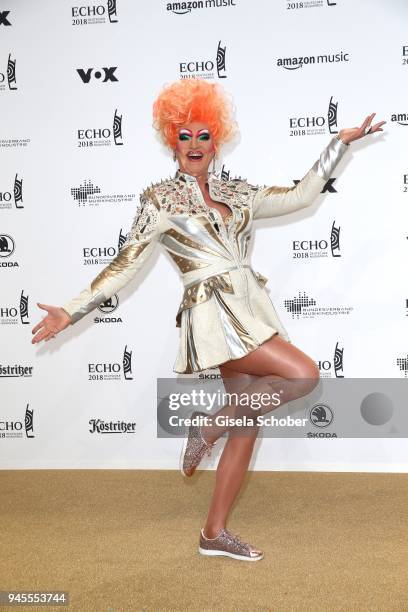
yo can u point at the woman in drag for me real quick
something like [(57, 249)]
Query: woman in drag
[(226, 317)]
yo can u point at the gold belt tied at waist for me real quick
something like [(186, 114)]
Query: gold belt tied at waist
[(201, 291)]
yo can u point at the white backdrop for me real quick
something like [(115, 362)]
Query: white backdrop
[(65, 69)]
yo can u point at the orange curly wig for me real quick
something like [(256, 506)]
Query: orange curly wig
[(189, 100)]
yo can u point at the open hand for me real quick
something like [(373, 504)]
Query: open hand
[(349, 134), (55, 321)]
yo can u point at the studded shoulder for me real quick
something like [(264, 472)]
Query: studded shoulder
[(156, 191)]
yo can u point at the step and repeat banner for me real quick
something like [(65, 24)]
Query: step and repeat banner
[(77, 147)]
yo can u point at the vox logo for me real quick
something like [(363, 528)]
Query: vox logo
[(105, 74), (4, 18)]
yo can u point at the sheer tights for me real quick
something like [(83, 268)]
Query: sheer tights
[(277, 365)]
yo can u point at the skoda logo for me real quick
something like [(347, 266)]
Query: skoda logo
[(321, 415), (109, 305), (6, 245)]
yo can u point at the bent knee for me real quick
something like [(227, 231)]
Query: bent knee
[(311, 370), (309, 374)]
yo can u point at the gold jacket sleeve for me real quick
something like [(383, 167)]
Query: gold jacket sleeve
[(139, 244), (275, 201)]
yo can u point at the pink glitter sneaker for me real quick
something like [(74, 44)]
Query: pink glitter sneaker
[(194, 447), (228, 545)]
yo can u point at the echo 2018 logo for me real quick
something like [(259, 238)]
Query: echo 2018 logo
[(206, 68), (104, 136), (94, 14), (7, 198), (311, 125), (15, 428), (8, 78), (112, 370), (12, 314)]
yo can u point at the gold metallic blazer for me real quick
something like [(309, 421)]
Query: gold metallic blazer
[(205, 248)]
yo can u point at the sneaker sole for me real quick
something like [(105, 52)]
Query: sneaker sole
[(183, 450), (224, 553)]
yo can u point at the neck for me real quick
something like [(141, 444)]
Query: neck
[(201, 179)]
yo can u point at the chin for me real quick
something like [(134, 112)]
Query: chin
[(196, 170)]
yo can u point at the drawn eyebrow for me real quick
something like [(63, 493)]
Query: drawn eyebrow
[(202, 132), (185, 131)]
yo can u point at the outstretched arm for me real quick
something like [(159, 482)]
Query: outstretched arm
[(275, 201), (139, 244)]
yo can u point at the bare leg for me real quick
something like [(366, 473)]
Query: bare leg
[(275, 357), (276, 367)]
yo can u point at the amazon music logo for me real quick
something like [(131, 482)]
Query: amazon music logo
[(14, 196), (312, 125), (8, 76), (112, 370), (400, 118), (94, 14), (305, 307), (13, 428), (102, 136), (182, 8), (334, 366), (305, 4), (319, 247), (205, 68), (88, 194), (16, 313), (295, 62), (104, 75), (107, 308), (7, 248), (96, 255), (4, 18)]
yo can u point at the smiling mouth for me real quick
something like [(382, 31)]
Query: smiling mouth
[(195, 156)]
